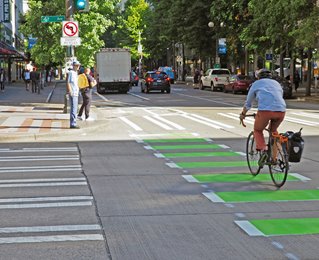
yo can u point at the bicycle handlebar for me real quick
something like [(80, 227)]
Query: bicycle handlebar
[(242, 120)]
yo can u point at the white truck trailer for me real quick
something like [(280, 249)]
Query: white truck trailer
[(113, 70)]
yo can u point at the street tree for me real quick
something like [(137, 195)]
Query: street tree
[(130, 26), (48, 50)]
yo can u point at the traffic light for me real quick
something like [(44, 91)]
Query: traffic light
[(82, 5)]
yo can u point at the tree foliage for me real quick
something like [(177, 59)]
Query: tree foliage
[(48, 50)]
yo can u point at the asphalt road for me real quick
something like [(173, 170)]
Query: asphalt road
[(156, 176)]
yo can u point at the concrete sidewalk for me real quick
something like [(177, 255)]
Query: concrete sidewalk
[(30, 116)]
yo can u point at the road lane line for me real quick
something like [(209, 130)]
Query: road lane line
[(138, 96), (190, 178), (49, 149), (42, 170), (201, 121), (130, 123), (211, 121), (250, 229), (58, 238), (41, 199), (40, 167), (212, 196), (206, 99), (177, 126), (60, 228), (3, 159), (306, 115), (52, 184), (42, 180), (300, 121), (166, 127), (46, 205)]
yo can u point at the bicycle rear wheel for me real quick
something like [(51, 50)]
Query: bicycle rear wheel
[(279, 169), (252, 155)]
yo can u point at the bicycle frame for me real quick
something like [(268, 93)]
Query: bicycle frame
[(276, 157)]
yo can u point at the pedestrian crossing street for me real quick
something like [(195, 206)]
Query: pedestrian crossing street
[(46, 196)]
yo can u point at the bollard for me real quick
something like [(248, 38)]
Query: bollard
[(66, 101)]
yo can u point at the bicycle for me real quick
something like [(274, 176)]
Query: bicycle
[(276, 157)]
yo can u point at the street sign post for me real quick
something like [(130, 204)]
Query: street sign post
[(52, 19), (70, 41)]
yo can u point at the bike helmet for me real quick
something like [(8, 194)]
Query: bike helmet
[(264, 73)]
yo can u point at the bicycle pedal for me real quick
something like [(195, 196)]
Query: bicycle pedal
[(263, 158)]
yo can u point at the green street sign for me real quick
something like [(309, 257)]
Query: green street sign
[(52, 19)]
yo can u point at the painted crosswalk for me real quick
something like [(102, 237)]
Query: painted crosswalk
[(46, 179), (178, 120), (134, 119)]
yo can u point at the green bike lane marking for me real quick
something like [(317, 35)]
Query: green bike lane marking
[(238, 177), (196, 154), (280, 227), (186, 147), (212, 164), (262, 196), (180, 140)]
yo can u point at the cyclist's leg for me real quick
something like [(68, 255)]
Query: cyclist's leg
[(276, 119), (261, 122)]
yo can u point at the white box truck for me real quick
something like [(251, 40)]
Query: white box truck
[(113, 70)]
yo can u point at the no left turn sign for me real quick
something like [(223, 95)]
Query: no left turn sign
[(70, 29)]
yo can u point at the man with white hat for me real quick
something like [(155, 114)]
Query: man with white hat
[(73, 91)]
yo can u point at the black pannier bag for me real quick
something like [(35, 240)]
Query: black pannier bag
[(295, 146)]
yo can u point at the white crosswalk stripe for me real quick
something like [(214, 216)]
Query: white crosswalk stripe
[(169, 119)]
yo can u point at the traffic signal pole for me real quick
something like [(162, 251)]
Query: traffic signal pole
[(69, 49)]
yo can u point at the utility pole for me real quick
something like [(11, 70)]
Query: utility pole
[(69, 49), (69, 9)]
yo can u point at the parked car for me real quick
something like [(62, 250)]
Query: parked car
[(214, 79), (169, 71), (238, 83), (134, 78), (156, 80)]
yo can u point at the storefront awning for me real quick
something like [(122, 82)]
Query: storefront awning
[(8, 51)]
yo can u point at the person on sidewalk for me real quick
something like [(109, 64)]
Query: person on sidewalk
[(2, 79), (27, 79), (296, 80), (34, 76), (73, 92), (86, 93)]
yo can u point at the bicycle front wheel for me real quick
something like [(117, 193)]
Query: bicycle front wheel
[(252, 155), (279, 168)]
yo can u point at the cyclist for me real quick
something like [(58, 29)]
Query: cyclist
[(271, 106)]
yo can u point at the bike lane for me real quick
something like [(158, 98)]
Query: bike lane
[(225, 174)]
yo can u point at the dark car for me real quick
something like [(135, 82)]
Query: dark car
[(286, 86), (134, 78), (156, 80), (238, 83)]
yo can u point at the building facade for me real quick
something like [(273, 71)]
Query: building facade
[(11, 40)]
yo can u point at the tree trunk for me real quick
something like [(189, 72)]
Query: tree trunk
[(309, 78)]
